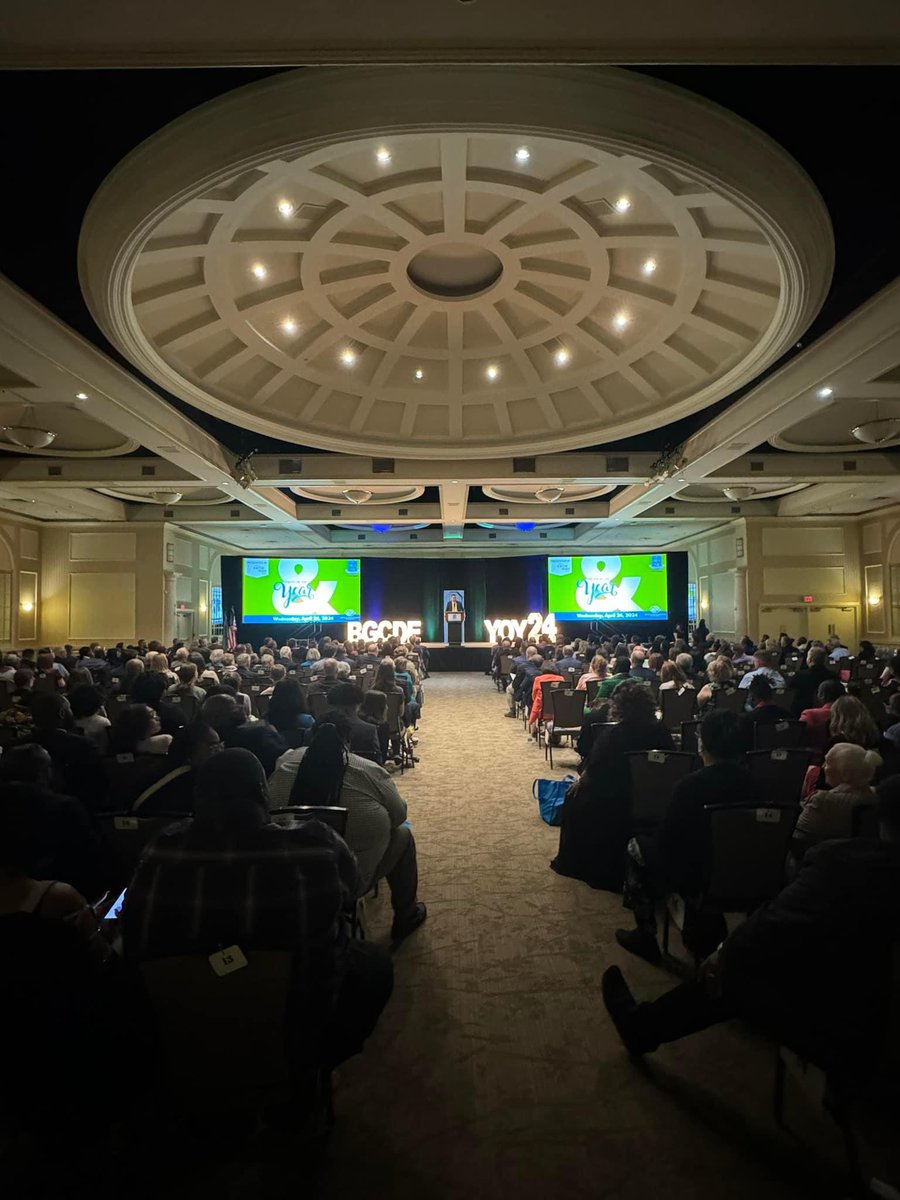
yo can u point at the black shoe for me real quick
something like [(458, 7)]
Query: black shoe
[(402, 929), (621, 1006), (635, 941), (512, 716)]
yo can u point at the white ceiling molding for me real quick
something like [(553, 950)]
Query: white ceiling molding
[(359, 259), (524, 493), (736, 493), (372, 493), (106, 33)]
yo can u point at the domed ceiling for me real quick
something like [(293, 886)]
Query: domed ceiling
[(421, 261)]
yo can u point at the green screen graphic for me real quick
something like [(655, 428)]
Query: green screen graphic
[(288, 590), (621, 587)]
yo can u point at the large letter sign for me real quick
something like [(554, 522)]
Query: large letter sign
[(531, 627), (372, 631)]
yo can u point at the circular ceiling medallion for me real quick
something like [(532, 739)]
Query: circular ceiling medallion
[(831, 429), (77, 436), (524, 493), (188, 497), (454, 270), (372, 493), (417, 262), (701, 493)]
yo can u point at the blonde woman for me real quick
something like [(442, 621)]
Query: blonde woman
[(850, 721), (721, 677), (599, 669), (672, 676)]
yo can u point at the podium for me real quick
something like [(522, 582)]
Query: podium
[(455, 622)]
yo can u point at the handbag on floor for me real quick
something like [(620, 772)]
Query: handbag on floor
[(551, 796)]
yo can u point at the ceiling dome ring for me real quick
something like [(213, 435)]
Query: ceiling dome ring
[(681, 159)]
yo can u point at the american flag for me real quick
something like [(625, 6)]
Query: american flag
[(231, 635)]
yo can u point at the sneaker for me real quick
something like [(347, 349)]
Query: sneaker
[(402, 929), (642, 944), (621, 1006)]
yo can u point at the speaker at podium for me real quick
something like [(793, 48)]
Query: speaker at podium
[(454, 618)]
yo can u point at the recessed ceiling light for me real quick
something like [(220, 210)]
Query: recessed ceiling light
[(623, 204), (289, 325), (562, 357), (348, 357), (419, 373), (523, 155), (454, 481), (649, 266), (286, 208), (383, 156), (258, 271), (825, 393), (492, 372), (620, 320), (81, 396)]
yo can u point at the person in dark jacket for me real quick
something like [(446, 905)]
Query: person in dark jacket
[(173, 791), (227, 718), (347, 698), (812, 968), (678, 857), (804, 686), (596, 818)]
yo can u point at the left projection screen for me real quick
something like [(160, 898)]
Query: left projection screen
[(278, 591)]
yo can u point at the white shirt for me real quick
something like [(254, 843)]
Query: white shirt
[(374, 806), (839, 652), (776, 680)]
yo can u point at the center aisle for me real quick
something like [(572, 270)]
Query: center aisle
[(495, 1070)]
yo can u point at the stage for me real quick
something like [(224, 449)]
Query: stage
[(475, 656)]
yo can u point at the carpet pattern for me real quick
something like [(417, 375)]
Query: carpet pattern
[(495, 1070)]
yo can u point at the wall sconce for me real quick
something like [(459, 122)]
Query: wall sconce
[(203, 606), (874, 601), (27, 606)]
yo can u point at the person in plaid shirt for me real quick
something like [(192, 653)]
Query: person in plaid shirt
[(230, 876)]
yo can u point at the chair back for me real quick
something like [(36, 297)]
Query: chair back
[(188, 705), (547, 687), (116, 705), (689, 739), (865, 821), (318, 704), (868, 672), (328, 814), (873, 697), (749, 850), (789, 734), (395, 704), (654, 775), (729, 699), (366, 678), (127, 775), (779, 773), (572, 675), (126, 835), (505, 665), (6, 691), (47, 682), (592, 687), (677, 705), (791, 665), (294, 738), (261, 706), (566, 709), (221, 1037), (783, 698)]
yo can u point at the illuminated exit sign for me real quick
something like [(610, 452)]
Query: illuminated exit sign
[(807, 599)]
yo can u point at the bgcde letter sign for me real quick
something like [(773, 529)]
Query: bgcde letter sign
[(371, 631)]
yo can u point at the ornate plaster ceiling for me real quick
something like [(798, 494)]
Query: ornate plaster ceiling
[(705, 493), (77, 436), (378, 493), (414, 262), (525, 493), (190, 497)]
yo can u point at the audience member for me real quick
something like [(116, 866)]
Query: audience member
[(173, 792), (596, 817), (89, 715), (327, 772), (288, 708), (849, 770), (229, 721), (347, 699)]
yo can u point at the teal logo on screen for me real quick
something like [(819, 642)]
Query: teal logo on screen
[(300, 589)]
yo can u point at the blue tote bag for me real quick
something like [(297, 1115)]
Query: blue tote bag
[(551, 795)]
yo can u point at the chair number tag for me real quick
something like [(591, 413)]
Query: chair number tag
[(568, 692), (873, 690), (656, 756), (779, 755), (781, 726), (124, 758), (225, 962), (125, 823), (768, 816)]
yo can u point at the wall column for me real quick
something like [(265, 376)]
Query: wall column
[(168, 630), (741, 615)]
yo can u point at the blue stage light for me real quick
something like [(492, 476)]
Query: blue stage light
[(525, 526), (381, 528)]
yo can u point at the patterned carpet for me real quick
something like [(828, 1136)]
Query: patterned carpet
[(495, 1070)]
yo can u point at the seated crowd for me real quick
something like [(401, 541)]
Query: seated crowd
[(244, 764), (812, 964)]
